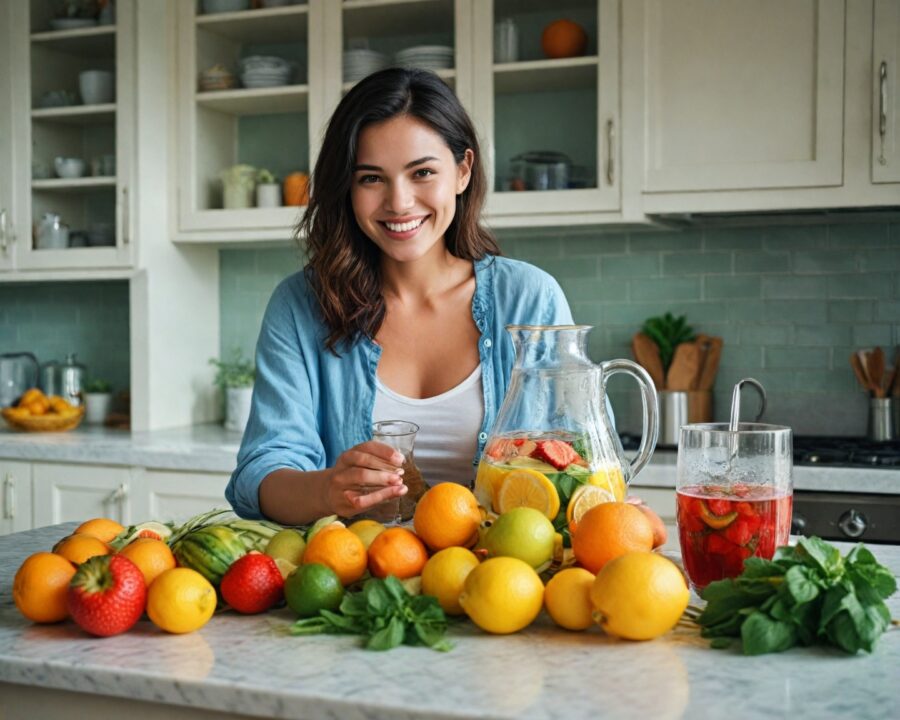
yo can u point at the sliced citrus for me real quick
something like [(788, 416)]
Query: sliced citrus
[(487, 484), (528, 488), (583, 499), (610, 478)]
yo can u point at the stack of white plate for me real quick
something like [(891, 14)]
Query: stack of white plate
[(427, 57), (361, 62), (260, 71)]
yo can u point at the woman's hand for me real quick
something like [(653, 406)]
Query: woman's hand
[(363, 476)]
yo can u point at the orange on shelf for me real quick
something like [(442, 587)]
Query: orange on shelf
[(563, 39), (296, 189)]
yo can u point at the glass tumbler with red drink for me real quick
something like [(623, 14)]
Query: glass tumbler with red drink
[(733, 496)]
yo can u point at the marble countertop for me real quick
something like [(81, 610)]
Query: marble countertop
[(211, 448), (251, 665), (207, 448)]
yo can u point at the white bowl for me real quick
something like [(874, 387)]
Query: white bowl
[(69, 167), (223, 6), (71, 23), (97, 86)]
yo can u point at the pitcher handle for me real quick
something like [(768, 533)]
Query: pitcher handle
[(650, 424)]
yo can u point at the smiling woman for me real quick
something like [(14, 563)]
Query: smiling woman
[(399, 313)]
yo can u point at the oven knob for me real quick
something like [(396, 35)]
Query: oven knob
[(798, 525), (852, 523)]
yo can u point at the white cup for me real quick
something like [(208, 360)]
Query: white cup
[(97, 86), (68, 167)]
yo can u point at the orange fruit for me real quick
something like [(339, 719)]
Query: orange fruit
[(339, 549), (101, 528), (78, 548), (398, 552), (40, 587), (608, 531), (447, 515), (563, 38), (151, 556)]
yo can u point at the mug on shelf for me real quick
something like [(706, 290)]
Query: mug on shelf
[(97, 87), (68, 167)]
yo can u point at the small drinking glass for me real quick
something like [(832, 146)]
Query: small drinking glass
[(734, 496), (400, 435)]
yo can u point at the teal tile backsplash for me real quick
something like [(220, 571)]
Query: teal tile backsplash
[(791, 302), (52, 320)]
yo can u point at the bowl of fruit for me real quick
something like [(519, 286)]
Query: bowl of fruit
[(36, 412)]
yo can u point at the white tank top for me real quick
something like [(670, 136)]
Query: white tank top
[(448, 427)]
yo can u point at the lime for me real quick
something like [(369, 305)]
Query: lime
[(523, 533), (311, 588), (287, 544)]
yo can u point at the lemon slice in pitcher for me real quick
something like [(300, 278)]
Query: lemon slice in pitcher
[(528, 488), (609, 478), (583, 499)]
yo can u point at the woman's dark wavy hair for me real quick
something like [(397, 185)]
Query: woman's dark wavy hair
[(343, 264)]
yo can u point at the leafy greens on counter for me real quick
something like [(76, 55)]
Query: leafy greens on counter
[(386, 614), (806, 594)]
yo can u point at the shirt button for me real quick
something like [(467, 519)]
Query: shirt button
[(487, 342), (482, 436)]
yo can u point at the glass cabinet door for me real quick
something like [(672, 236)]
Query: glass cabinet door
[(73, 119), (547, 103), (244, 115)]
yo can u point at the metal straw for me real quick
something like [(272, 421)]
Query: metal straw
[(735, 420)]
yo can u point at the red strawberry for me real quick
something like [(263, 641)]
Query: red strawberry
[(107, 595), (719, 507), (556, 452), (252, 584)]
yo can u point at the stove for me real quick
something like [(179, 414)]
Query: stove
[(846, 452)]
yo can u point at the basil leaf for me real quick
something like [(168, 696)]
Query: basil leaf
[(817, 553), (388, 637), (757, 567), (800, 584), (761, 634), (395, 590), (721, 643)]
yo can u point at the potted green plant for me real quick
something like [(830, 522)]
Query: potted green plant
[(268, 189), (97, 401), (235, 377)]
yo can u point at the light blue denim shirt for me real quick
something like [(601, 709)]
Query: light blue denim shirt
[(310, 405)]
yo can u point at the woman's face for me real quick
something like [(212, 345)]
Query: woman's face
[(404, 187)]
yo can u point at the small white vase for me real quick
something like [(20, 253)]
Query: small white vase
[(237, 408), (268, 195), (96, 407)]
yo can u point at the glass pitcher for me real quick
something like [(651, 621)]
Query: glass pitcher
[(553, 424)]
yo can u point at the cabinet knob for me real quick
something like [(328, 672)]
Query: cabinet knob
[(9, 497), (610, 152), (4, 243), (882, 109)]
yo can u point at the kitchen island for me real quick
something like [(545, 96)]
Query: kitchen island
[(249, 666)]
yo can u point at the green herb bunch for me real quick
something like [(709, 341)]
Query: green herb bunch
[(234, 373), (668, 332), (805, 594), (386, 614), (97, 386)]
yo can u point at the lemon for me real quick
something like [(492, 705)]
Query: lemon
[(610, 478), (180, 600), (366, 530), (487, 484), (444, 576), (502, 595), (523, 533), (639, 596), (567, 598), (583, 499), (528, 488)]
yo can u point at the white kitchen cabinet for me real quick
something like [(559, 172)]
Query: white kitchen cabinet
[(15, 501), (7, 199), (67, 492), (178, 495), (569, 106), (886, 93), (270, 127), (45, 60), (742, 95), (662, 502)]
